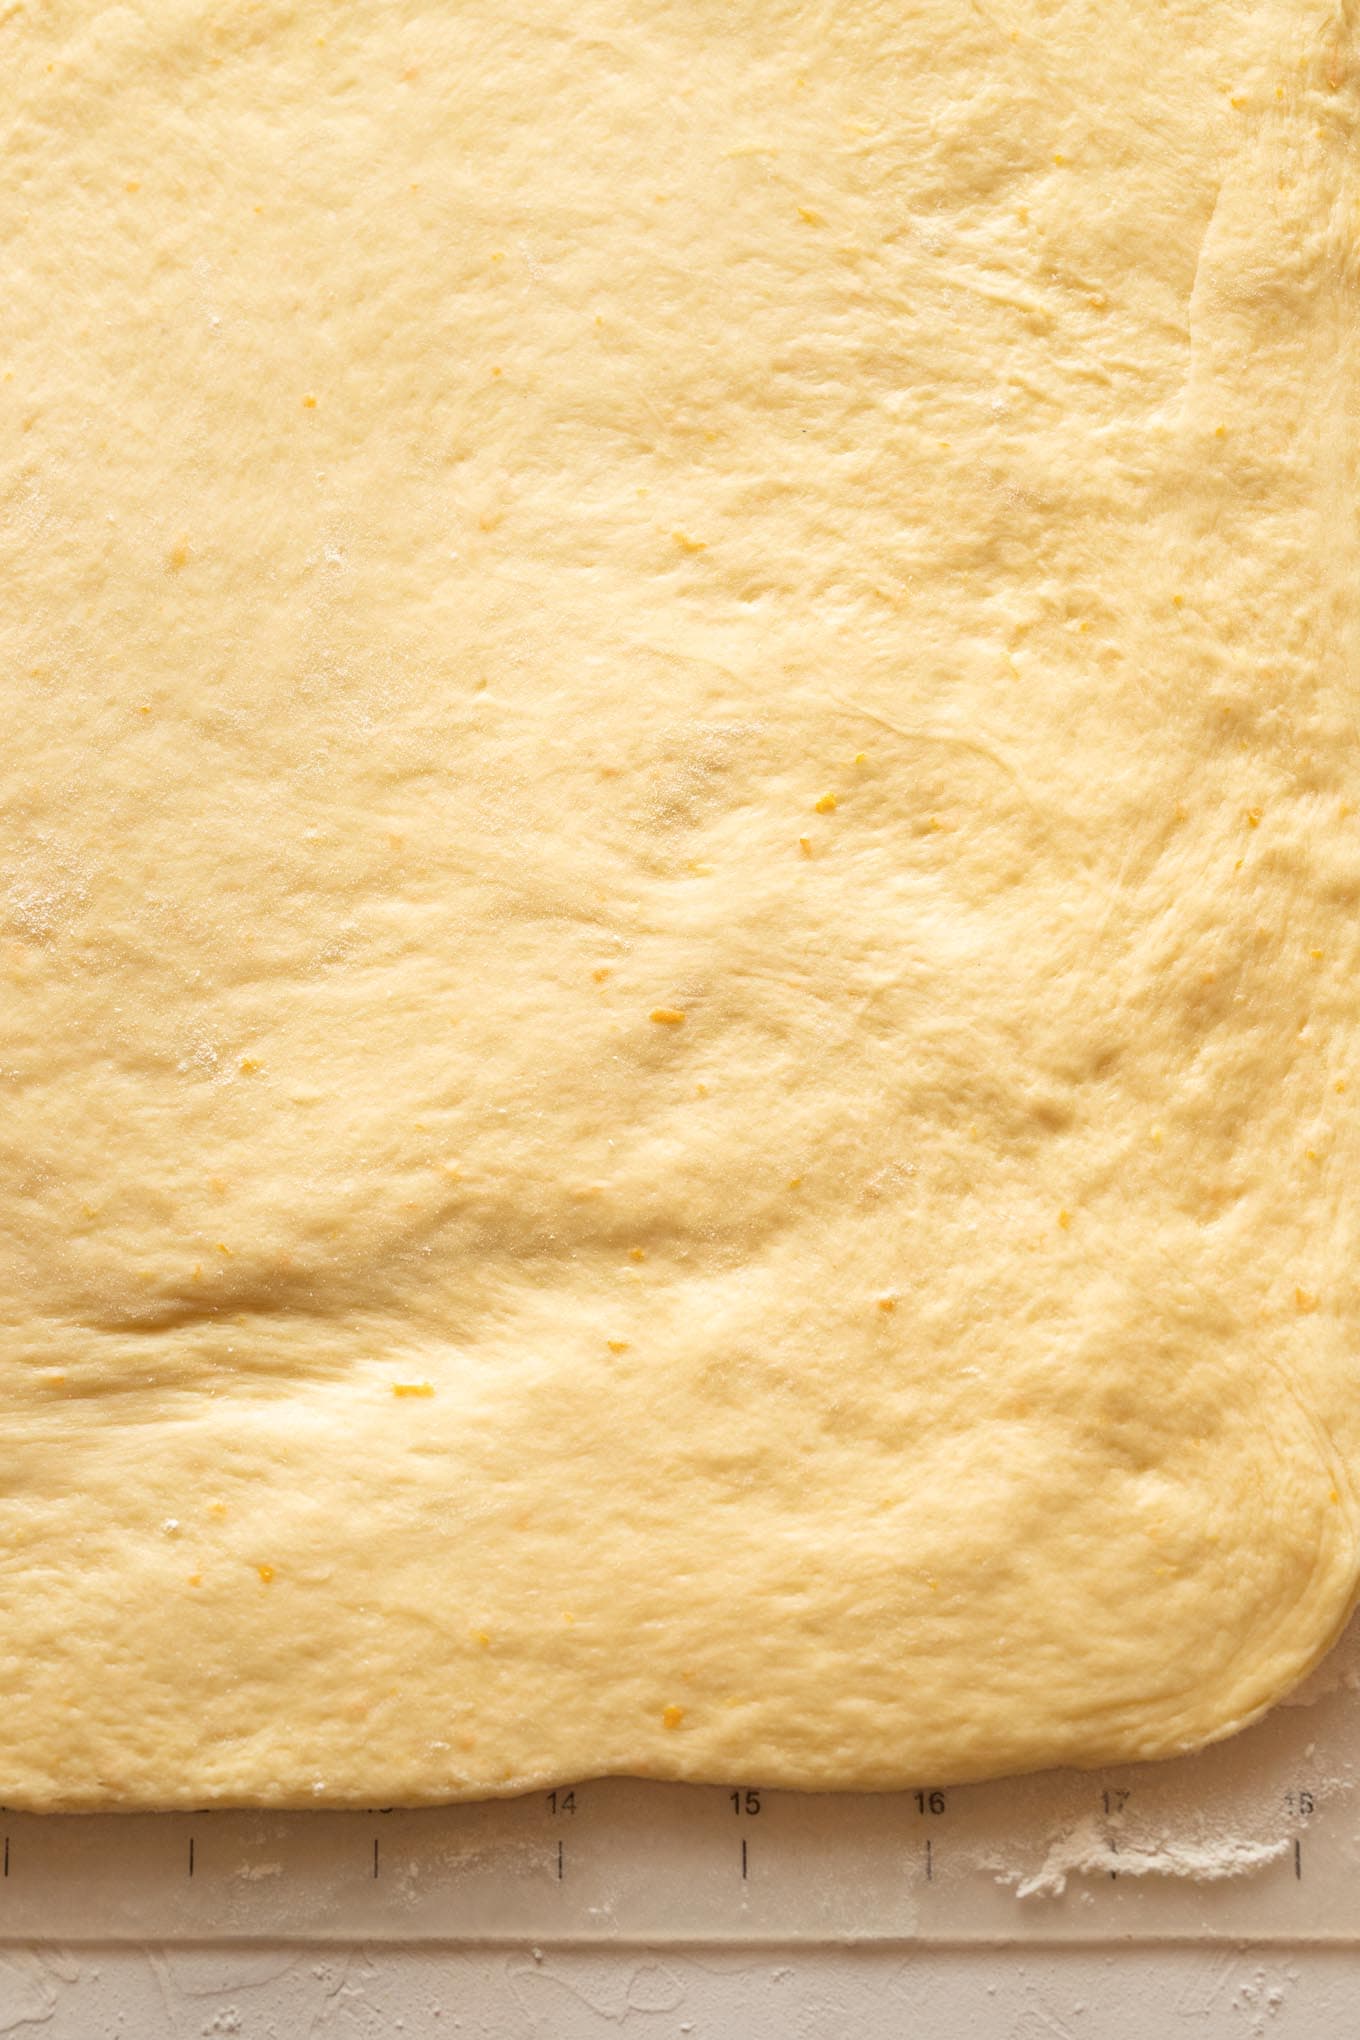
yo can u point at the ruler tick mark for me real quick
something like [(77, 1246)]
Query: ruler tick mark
[(1298, 1858), (191, 1855), (561, 1863), (743, 1860), (375, 1855), (7, 1855), (930, 1862)]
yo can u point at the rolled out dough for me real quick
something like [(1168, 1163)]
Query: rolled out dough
[(682, 889)]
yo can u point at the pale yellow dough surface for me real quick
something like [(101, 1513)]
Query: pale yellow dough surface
[(681, 889)]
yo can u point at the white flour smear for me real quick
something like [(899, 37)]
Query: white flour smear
[(1085, 1850)]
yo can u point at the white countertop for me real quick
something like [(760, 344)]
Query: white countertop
[(976, 1994)]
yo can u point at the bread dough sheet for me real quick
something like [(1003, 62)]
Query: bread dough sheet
[(681, 887)]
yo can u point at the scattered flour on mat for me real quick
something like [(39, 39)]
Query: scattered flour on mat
[(1085, 1850)]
